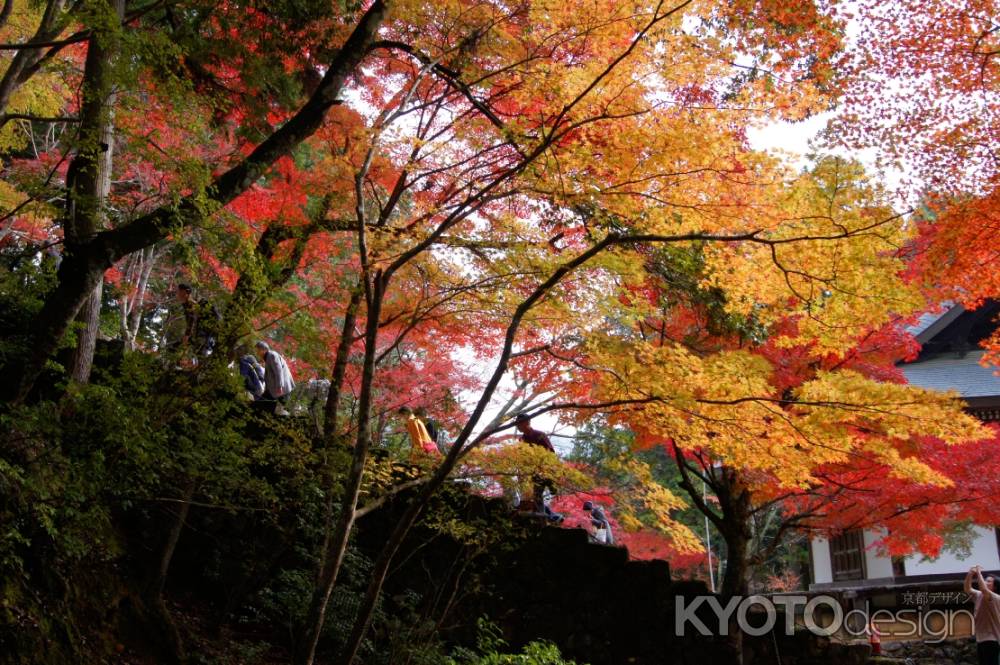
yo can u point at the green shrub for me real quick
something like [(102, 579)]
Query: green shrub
[(492, 649)]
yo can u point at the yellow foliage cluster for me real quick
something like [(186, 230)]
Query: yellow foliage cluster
[(831, 258), (513, 467), (724, 404), (45, 94), (646, 498)]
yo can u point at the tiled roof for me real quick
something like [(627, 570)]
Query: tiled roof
[(922, 328), (949, 372)]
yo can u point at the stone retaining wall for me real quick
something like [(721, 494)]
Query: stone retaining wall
[(951, 652)]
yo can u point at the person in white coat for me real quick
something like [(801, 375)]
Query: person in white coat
[(278, 381)]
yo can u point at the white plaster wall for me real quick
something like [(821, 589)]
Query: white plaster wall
[(876, 565), (822, 568), (984, 553)]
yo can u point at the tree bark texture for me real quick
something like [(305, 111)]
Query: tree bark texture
[(88, 179)]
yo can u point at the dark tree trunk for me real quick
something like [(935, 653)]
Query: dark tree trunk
[(86, 343), (8, 7), (734, 499), (159, 580), (735, 581), (732, 519), (737, 571), (158, 616), (88, 179), (337, 547), (331, 426)]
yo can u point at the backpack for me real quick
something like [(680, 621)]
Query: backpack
[(432, 429), (253, 375)]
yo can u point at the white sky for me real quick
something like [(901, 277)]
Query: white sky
[(787, 137)]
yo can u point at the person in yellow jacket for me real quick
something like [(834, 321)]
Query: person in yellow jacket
[(419, 438)]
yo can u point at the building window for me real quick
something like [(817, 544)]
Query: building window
[(847, 556), (987, 414)]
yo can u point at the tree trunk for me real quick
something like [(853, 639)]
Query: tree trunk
[(159, 581), (334, 557), (158, 615), (732, 519), (332, 408), (132, 307), (88, 179), (331, 423), (8, 8), (736, 512), (735, 580), (77, 276), (363, 620), (90, 317)]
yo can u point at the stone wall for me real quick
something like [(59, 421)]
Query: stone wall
[(601, 608), (597, 606), (916, 652)]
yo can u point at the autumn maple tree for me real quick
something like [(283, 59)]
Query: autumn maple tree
[(920, 94), (800, 412)]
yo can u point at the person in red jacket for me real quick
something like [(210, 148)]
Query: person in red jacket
[(534, 437)]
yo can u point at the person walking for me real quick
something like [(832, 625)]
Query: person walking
[(602, 527), (278, 380), (209, 322), (180, 328), (985, 615), (533, 437), (189, 311), (420, 438), (432, 426)]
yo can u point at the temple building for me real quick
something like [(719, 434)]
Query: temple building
[(950, 359)]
